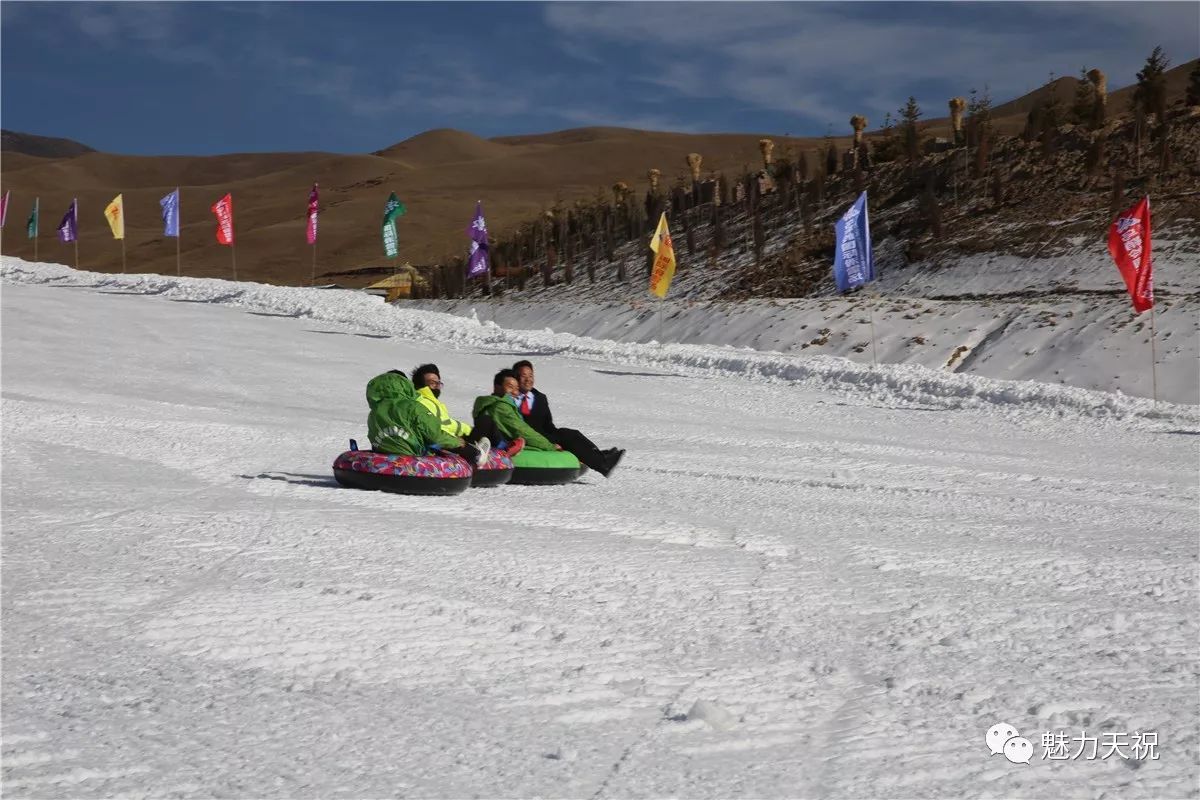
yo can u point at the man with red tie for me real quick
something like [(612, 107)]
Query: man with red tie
[(535, 409)]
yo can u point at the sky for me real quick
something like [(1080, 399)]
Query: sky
[(206, 78)]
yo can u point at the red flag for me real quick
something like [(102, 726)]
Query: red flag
[(223, 208), (1129, 245), (313, 209)]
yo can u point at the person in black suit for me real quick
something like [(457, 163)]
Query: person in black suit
[(535, 409)]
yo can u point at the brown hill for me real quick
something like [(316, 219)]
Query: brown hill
[(41, 146), (439, 174), (1009, 117), (444, 146)]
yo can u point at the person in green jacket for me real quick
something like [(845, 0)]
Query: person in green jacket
[(500, 407), (399, 425), (427, 380)]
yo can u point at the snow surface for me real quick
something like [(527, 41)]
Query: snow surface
[(808, 578)]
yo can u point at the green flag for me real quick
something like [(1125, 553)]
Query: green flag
[(393, 209), (31, 227)]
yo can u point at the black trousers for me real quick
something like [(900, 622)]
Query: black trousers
[(484, 425), (581, 447), (467, 451)]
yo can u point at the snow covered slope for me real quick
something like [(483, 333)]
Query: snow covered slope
[(1060, 315), (808, 578)]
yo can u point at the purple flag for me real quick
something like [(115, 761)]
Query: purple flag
[(478, 263), (67, 231)]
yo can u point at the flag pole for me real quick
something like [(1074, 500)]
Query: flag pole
[(871, 317), (661, 300), (122, 255), (76, 233), (37, 225), (1153, 357), (1138, 129), (233, 254), (313, 281), (178, 230), (5, 220)]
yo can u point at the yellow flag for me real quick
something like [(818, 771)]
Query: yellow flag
[(664, 259), (114, 212)]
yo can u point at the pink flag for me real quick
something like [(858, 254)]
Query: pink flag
[(313, 209)]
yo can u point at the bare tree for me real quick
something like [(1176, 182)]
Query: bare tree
[(1100, 104), (957, 106)]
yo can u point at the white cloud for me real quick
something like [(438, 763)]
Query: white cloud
[(158, 30), (590, 116), (822, 61), (454, 90)]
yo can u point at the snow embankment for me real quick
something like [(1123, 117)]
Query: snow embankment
[(1057, 314), (1088, 342), (886, 383)]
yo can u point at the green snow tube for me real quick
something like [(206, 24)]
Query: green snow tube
[(545, 468)]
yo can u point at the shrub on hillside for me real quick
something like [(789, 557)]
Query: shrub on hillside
[(887, 147), (909, 133), (1150, 95), (1084, 102)]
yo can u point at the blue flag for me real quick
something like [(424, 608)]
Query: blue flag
[(170, 213), (853, 263)]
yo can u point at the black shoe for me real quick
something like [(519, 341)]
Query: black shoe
[(612, 461)]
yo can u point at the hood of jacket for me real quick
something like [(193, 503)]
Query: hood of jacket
[(389, 386)]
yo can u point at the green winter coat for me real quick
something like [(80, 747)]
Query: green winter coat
[(508, 420), (397, 423)]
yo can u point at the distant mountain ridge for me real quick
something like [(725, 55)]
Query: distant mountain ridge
[(31, 144)]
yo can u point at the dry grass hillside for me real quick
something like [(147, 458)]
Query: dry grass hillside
[(438, 174)]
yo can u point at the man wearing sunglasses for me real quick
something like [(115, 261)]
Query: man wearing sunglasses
[(427, 380)]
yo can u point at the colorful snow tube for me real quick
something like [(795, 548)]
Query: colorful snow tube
[(442, 474), (545, 468), (496, 471)]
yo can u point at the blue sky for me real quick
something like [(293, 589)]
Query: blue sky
[(202, 78)]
